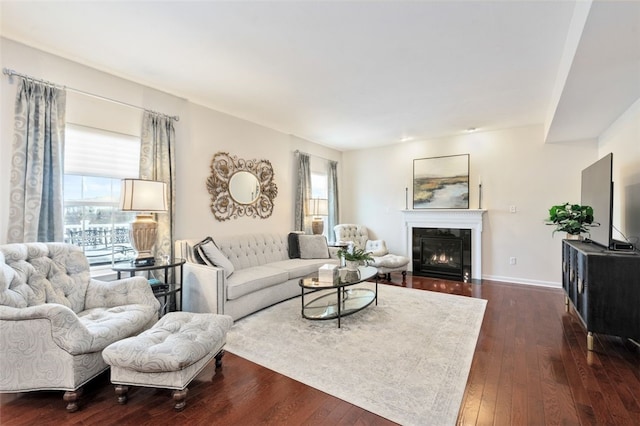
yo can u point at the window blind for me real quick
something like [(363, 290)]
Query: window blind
[(95, 152)]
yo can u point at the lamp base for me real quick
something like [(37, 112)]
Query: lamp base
[(317, 226), (143, 237)]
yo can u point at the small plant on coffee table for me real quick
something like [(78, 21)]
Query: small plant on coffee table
[(355, 255)]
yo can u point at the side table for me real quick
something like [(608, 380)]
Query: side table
[(170, 293)]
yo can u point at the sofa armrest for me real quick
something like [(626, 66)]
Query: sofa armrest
[(60, 315), (126, 291), (203, 289), (51, 319)]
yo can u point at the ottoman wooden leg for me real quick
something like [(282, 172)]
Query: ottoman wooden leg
[(121, 393), (179, 396)]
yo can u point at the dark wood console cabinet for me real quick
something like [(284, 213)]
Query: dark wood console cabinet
[(604, 288)]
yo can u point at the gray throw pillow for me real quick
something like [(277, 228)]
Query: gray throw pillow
[(294, 246), (313, 247), (212, 256)]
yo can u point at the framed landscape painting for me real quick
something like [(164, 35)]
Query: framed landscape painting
[(441, 182)]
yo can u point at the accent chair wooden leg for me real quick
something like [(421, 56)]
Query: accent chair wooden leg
[(72, 398), (179, 396), (121, 394), (589, 341), (404, 277)]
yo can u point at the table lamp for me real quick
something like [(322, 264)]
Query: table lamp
[(146, 197), (319, 207)]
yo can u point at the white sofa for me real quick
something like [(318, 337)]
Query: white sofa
[(259, 272)]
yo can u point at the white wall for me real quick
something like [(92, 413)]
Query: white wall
[(622, 138), (516, 168), (200, 133), (210, 132)]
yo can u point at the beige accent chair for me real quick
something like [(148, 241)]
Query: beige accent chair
[(384, 261), (55, 320)]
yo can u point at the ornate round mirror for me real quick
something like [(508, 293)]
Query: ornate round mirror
[(244, 187), (241, 187)]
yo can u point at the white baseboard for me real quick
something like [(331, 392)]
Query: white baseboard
[(514, 280)]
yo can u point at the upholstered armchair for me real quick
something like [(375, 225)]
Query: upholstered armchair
[(384, 261), (55, 320)]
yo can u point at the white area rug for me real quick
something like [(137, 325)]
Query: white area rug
[(406, 359)]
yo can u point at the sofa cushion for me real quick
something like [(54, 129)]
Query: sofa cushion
[(107, 325), (245, 281), (88, 331), (212, 256), (298, 268), (313, 247)]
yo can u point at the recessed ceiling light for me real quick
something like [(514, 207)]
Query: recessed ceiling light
[(472, 129), (406, 138)]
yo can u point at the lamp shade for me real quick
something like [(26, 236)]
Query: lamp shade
[(143, 195)]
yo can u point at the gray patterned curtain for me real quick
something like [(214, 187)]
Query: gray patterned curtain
[(36, 200), (303, 193), (157, 162), (334, 211)]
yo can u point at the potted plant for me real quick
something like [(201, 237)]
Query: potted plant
[(573, 219), (354, 256)]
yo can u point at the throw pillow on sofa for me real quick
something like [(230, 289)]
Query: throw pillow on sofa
[(207, 251), (313, 247), (293, 244)]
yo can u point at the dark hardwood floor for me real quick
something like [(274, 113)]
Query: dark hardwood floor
[(531, 367)]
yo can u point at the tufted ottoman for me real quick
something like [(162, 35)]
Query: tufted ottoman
[(168, 355), (391, 263)]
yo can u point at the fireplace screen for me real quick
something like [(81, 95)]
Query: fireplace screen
[(442, 253)]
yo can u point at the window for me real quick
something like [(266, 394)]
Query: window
[(94, 162), (320, 189), (319, 185)]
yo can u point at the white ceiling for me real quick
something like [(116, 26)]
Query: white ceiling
[(346, 74)]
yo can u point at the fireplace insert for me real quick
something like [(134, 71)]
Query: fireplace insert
[(442, 253)]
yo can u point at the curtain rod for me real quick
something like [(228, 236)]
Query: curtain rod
[(11, 73), (297, 151)]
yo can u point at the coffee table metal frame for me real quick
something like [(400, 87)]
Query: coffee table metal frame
[(360, 298)]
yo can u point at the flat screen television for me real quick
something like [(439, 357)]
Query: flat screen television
[(597, 192)]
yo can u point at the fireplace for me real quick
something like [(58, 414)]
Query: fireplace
[(448, 219), (442, 253)]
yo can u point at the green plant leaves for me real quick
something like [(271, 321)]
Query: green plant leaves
[(571, 218)]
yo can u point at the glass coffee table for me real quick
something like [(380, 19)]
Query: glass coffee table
[(338, 299)]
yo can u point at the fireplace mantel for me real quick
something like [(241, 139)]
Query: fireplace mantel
[(448, 218)]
